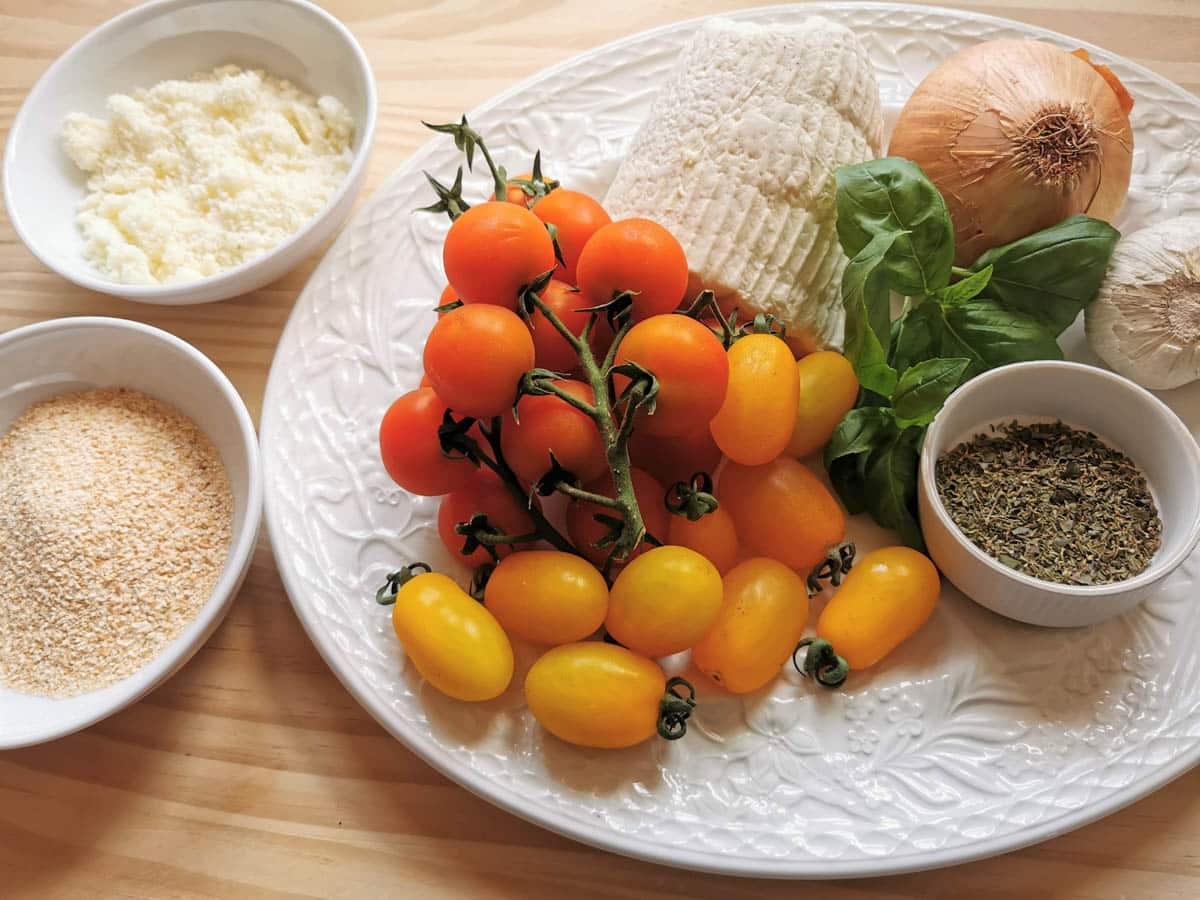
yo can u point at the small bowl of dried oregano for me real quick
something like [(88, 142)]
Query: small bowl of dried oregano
[(130, 499), (1058, 493)]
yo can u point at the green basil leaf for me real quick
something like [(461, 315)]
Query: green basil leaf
[(962, 291), (918, 335), (893, 197), (862, 286), (847, 475), (891, 486), (923, 389), (990, 334), (859, 431), (1054, 273)]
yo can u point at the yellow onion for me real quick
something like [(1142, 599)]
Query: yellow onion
[(1017, 135)]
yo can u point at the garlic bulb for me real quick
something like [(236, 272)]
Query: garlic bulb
[(1145, 320), (1017, 135)]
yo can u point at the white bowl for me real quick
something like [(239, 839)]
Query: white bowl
[(40, 361), (1116, 410), (174, 39)]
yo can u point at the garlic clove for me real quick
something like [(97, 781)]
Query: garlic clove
[(1145, 320)]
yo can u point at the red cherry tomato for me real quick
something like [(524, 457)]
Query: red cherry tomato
[(411, 452), (495, 249), (486, 494), (675, 458), (447, 296), (475, 357), (691, 367), (576, 217), (585, 531), (548, 424), (634, 255), (551, 349)]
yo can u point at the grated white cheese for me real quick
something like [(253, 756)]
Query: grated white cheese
[(189, 178)]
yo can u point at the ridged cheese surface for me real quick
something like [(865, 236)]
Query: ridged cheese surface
[(737, 158)]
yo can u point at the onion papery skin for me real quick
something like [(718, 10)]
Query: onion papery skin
[(1017, 135)]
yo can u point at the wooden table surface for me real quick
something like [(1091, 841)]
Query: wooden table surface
[(253, 772)]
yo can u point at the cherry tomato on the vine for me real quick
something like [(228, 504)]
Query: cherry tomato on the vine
[(664, 601), (495, 249), (758, 416), (691, 367), (595, 694), (548, 424), (551, 349), (885, 598), (828, 389), (456, 644), (576, 216), (782, 510), (713, 536), (762, 618), (547, 596), (675, 458), (411, 451), (484, 493), (634, 255), (475, 357), (585, 532)]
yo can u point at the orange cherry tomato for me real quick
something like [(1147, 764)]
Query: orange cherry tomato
[(677, 457), (585, 531), (425, 382), (495, 249), (828, 390), (475, 357), (551, 349), (411, 451), (447, 296), (758, 416), (783, 511), (486, 494), (634, 255), (690, 364), (713, 536), (664, 601), (576, 216), (548, 424), (547, 596), (885, 598), (762, 618)]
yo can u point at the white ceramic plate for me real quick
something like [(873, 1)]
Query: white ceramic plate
[(979, 736)]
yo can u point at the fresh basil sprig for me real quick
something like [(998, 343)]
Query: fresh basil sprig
[(1010, 306)]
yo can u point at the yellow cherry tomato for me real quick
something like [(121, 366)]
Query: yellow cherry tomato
[(882, 602), (758, 416), (456, 644), (596, 694), (713, 536), (664, 601), (782, 510), (828, 389), (547, 596), (762, 618)]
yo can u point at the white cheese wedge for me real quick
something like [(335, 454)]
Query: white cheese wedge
[(737, 158)]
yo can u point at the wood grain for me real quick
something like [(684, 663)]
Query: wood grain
[(252, 772)]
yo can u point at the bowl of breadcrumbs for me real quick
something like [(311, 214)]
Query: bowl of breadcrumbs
[(130, 498)]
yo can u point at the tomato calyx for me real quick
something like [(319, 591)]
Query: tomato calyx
[(536, 185), (467, 139), (706, 303), (447, 307), (640, 393), (555, 477), (455, 439), (386, 595), (449, 199), (765, 324), (821, 663), (832, 568), (479, 581), (674, 709), (479, 532), (693, 499)]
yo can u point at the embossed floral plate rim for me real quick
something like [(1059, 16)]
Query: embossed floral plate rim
[(597, 833)]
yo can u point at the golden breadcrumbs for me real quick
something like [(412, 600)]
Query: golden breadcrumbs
[(115, 522)]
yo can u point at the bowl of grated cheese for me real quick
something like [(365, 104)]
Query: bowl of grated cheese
[(130, 503), (192, 150)]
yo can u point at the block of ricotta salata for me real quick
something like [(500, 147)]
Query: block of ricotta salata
[(736, 159)]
